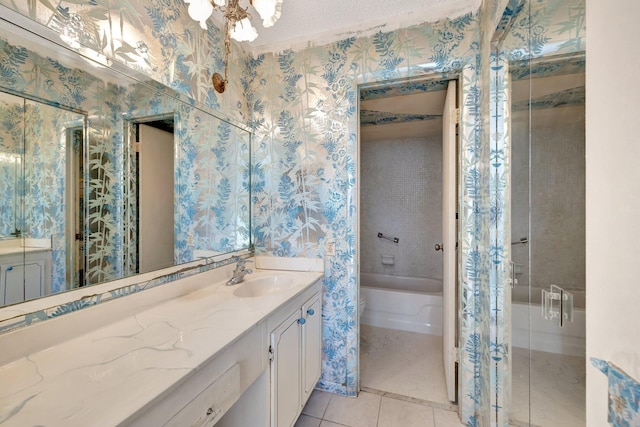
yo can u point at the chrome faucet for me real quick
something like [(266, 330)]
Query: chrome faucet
[(240, 271)]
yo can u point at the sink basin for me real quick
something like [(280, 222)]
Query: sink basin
[(263, 286)]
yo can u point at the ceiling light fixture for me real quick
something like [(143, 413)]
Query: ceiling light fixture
[(237, 24)]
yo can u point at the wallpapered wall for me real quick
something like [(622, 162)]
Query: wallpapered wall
[(43, 196), (305, 183), (11, 153)]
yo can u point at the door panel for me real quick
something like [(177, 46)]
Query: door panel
[(156, 199), (449, 239)]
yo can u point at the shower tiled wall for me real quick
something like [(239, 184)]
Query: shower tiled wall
[(557, 238), (401, 196)]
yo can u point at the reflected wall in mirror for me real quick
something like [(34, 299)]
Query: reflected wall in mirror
[(71, 157), (11, 161)]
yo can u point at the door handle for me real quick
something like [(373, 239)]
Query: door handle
[(514, 282), (439, 247)]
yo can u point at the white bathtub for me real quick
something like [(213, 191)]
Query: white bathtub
[(546, 335), (404, 303)]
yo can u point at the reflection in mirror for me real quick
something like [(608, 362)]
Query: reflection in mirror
[(11, 153), (82, 166), (42, 146), (153, 152), (53, 142)]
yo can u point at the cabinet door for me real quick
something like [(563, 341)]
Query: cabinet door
[(312, 344), (12, 284), (21, 282), (33, 279), (286, 372)]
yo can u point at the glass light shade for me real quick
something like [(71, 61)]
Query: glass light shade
[(219, 2), (269, 11), (243, 31), (200, 11)]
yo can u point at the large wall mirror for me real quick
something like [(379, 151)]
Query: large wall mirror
[(104, 175)]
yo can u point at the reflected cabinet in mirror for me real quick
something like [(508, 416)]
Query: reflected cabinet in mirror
[(105, 176)]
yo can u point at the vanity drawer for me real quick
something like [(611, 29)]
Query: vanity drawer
[(212, 403), (204, 397)]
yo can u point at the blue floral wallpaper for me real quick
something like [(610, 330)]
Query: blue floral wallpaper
[(305, 178), (623, 396), (45, 162), (11, 162)]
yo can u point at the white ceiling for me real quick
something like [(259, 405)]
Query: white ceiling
[(426, 103), (317, 22)]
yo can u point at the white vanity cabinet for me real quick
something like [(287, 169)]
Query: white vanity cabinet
[(24, 277), (296, 351)]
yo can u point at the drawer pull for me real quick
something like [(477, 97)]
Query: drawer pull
[(311, 312), (302, 321), (209, 411)]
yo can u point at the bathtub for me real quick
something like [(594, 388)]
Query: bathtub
[(404, 303), (546, 335)]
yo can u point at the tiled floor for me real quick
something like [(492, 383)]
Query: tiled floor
[(372, 410), (404, 363), (410, 364), (557, 389)]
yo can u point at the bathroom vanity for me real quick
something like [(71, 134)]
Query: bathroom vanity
[(192, 353)]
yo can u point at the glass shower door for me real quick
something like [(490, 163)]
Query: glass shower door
[(556, 241), (543, 54)]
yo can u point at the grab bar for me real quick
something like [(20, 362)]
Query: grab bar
[(522, 241), (393, 239)]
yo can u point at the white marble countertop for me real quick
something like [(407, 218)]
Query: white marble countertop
[(104, 377)]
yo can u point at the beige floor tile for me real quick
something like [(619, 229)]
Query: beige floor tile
[(556, 389), (404, 363), (330, 424), (444, 418), (354, 412), (306, 421), (317, 404), (397, 413)]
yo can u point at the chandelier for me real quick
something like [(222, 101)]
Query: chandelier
[(237, 24)]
